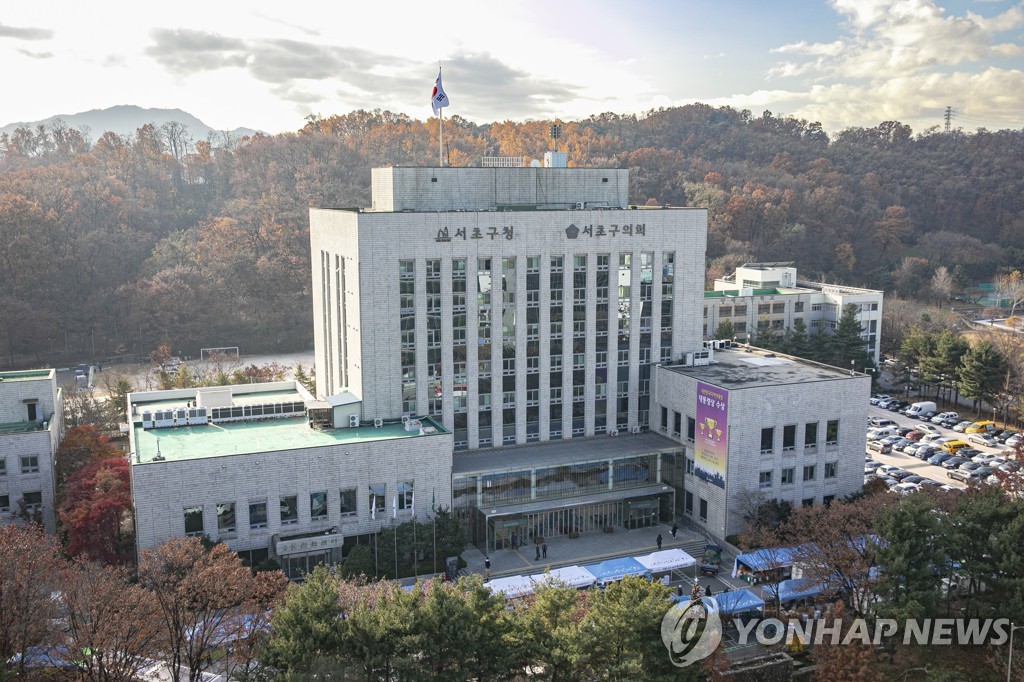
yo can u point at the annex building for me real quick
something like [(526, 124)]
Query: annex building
[(31, 428), (767, 298)]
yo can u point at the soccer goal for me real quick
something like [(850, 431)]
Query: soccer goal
[(221, 352)]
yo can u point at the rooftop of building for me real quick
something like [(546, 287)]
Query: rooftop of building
[(244, 436), (27, 375), (742, 367), (520, 457), (253, 437)]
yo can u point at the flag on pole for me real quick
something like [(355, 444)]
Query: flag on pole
[(373, 506), (412, 501), (433, 501), (394, 507), (438, 98)]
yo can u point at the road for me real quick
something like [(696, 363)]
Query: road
[(911, 463)]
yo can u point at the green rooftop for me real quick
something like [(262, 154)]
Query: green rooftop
[(736, 292), (26, 375), (249, 437)]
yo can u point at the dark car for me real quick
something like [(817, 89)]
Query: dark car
[(900, 474), (926, 451), (1005, 435), (930, 484), (898, 405), (904, 430), (914, 479), (939, 457), (949, 423), (926, 416), (970, 466), (954, 462)]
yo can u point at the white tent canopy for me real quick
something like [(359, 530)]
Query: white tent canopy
[(666, 560), (573, 576), (514, 586)]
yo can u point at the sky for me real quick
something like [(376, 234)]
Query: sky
[(267, 65)]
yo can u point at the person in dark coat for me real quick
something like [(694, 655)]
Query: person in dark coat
[(659, 541), (544, 550), (675, 529), (537, 557)]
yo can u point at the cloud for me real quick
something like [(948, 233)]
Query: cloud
[(36, 55), (22, 33), (307, 73), (892, 39)]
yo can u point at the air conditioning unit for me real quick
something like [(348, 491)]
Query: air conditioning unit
[(405, 419), (613, 432), (353, 420), (378, 422), (636, 429), (580, 205)]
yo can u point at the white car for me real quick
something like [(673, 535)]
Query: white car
[(905, 488), (885, 469), (985, 458), (943, 416), (1012, 441), (875, 399), (927, 427)]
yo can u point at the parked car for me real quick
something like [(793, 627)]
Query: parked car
[(928, 428), (1010, 466), (885, 469), (1012, 441), (915, 479), (970, 466), (878, 397), (879, 422), (915, 435), (879, 446), (959, 475), (905, 488), (953, 462), (984, 426), (943, 416), (884, 402), (926, 451), (939, 457), (961, 425), (929, 483), (897, 406), (949, 423), (1006, 435), (901, 443), (901, 474), (926, 416), (904, 430), (982, 439)]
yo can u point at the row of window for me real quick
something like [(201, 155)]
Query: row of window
[(788, 475), (703, 504), (29, 465), (288, 508), (789, 443), (33, 501)]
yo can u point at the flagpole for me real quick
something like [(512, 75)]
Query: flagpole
[(440, 137)]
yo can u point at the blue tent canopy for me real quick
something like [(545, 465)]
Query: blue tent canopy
[(617, 569), (764, 559), (797, 588), (736, 601)]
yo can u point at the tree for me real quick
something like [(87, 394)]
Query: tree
[(943, 285), (893, 228), (308, 627), (200, 593), (909, 557), (381, 636), (725, 330), (550, 634), (1009, 289), (82, 445), (846, 342), (95, 512), (112, 625), (359, 562), (982, 373), (30, 565)]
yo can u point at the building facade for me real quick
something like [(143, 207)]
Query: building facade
[(276, 474), (31, 428), (767, 298), (512, 305), (760, 426)]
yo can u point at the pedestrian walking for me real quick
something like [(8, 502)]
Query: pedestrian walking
[(515, 541), (487, 568), (675, 529), (544, 549), (659, 540), (537, 557)]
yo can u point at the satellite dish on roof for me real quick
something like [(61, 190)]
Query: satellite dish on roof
[(535, 164)]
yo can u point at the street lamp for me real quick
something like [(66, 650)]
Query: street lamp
[(851, 367), (1009, 659)]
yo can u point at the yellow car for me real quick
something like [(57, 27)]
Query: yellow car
[(954, 446), (981, 427)]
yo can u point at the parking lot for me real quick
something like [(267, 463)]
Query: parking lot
[(921, 467)]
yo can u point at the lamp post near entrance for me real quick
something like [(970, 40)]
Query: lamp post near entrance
[(1009, 659)]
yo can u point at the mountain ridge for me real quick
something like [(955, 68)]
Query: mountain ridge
[(126, 119)]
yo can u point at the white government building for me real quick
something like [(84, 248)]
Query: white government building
[(31, 428), (542, 334)]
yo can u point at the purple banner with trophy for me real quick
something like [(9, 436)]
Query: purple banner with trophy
[(712, 436)]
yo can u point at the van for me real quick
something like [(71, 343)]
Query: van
[(881, 421), (881, 432), (918, 409), (981, 427), (954, 446)]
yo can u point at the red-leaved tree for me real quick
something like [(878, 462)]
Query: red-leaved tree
[(95, 511)]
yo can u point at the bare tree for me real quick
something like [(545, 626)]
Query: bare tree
[(943, 284), (29, 565), (1010, 287), (202, 595), (112, 624)]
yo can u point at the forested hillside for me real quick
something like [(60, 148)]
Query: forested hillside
[(122, 243)]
